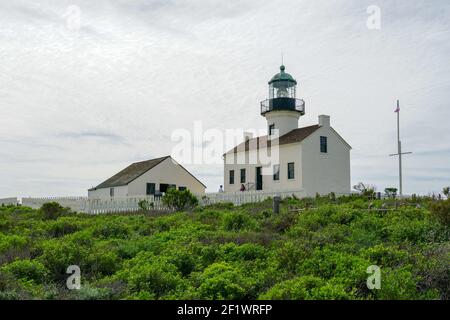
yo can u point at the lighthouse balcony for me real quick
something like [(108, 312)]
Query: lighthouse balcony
[(283, 104)]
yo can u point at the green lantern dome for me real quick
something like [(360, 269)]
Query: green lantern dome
[(282, 95), (282, 76)]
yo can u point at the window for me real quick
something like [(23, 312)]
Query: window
[(182, 188), (111, 192), (163, 187), (151, 189), (271, 129), (276, 172), (242, 175), (291, 173), (323, 145), (231, 176)]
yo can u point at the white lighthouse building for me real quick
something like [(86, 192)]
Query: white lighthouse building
[(313, 159)]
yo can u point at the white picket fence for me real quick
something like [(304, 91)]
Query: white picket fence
[(239, 198), (9, 201), (78, 204), (131, 204)]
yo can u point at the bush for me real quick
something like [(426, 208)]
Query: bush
[(237, 221), (230, 252), (441, 210), (221, 281), (27, 270), (245, 252), (179, 200), (151, 275), (112, 229), (145, 205), (8, 242), (57, 256), (53, 210), (63, 227), (306, 288)]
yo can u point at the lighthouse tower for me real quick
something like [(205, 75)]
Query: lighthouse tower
[(282, 110)]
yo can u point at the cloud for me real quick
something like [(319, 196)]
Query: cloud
[(80, 105), (103, 136)]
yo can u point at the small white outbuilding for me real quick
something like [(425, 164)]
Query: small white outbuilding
[(151, 177)]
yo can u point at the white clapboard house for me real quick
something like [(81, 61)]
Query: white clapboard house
[(147, 178), (313, 159)]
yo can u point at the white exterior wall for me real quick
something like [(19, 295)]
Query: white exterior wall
[(287, 153), (284, 121), (315, 172), (326, 172), (9, 201), (119, 192), (167, 172)]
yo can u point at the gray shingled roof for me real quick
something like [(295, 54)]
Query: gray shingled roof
[(130, 173), (296, 135)]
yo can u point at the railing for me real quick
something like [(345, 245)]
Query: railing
[(283, 104)]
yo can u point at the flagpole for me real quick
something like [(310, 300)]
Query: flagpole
[(399, 150), (399, 153)]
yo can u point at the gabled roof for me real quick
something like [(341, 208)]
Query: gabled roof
[(130, 173), (296, 135), (136, 170)]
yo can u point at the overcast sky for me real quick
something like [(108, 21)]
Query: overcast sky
[(79, 104)]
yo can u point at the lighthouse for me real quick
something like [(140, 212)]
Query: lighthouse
[(282, 110), (309, 160)]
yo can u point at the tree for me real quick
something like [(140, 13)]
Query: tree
[(53, 210), (391, 192), (446, 192), (179, 199), (365, 190)]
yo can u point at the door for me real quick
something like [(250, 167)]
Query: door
[(259, 178)]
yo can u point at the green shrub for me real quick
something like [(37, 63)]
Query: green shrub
[(8, 242), (400, 284), (237, 221), (145, 205), (62, 227), (27, 270), (384, 256), (90, 293), (221, 281), (179, 200), (52, 210), (112, 229), (230, 252), (57, 256), (441, 210), (306, 288), (244, 252), (151, 275), (102, 262), (329, 263)]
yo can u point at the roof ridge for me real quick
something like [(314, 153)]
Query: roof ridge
[(160, 158), (130, 173), (287, 138)]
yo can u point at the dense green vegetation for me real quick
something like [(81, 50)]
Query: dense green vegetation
[(314, 249)]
